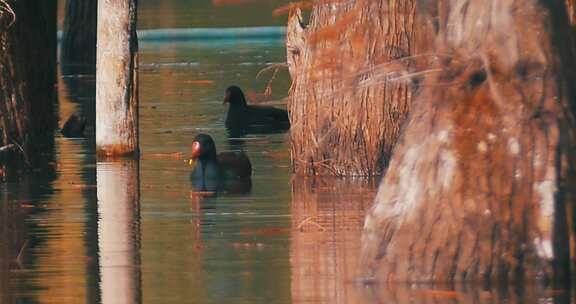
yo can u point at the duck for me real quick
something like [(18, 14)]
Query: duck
[(215, 172), (244, 118), (74, 126)]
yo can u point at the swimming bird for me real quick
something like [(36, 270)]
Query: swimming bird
[(74, 126), (243, 118), (214, 172)]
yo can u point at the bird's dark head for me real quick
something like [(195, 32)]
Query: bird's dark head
[(203, 147), (234, 96)]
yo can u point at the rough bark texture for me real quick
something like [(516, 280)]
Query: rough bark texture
[(78, 48), (348, 101), (116, 79), (480, 187), (27, 74), (295, 44)]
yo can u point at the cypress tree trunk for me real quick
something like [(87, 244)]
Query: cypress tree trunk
[(348, 99), (78, 48), (116, 79), (27, 75), (481, 185)]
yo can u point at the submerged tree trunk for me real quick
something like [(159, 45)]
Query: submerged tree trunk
[(348, 101), (481, 185), (116, 79), (27, 74), (78, 49)]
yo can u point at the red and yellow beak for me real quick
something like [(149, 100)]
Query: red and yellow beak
[(226, 98), (196, 149)]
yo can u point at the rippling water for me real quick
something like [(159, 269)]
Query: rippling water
[(150, 239)]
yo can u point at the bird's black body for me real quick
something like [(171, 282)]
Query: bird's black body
[(74, 126), (243, 118), (216, 172)]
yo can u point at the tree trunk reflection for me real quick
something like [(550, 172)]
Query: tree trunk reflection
[(327, 219)]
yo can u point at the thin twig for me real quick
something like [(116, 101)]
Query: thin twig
[(26, 160), (310, 220), (7, 147), (19, 256), (7, 8), (270, 67), (275, 67)]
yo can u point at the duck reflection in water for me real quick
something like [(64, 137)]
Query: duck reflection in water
[(227, 172), (243, 119)]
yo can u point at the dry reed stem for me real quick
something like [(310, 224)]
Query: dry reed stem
[(276, 67), (310, 220), (26, 160), (4, 6), (271, 67), (286, 9), (7, 148)]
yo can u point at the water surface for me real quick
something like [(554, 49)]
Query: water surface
[(150, 238)]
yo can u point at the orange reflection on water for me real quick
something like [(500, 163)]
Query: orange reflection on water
[(327, 222), (327, 219)]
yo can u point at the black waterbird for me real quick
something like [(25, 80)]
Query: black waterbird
[(243, 118), (216, 172)]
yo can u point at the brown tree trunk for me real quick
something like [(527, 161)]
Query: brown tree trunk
[(116, 79), (481, 185), (27, 74), (78, 48), (348, 99)]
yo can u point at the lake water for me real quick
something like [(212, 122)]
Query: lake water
[(150, 238)]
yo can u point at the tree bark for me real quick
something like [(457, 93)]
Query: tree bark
[(27, 75), (116, 79), (481, 185), (348, 99), (78, 48)]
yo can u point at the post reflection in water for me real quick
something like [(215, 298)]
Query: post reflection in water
[(119, 231)]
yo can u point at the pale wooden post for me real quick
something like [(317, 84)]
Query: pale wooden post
[(116, 79)]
